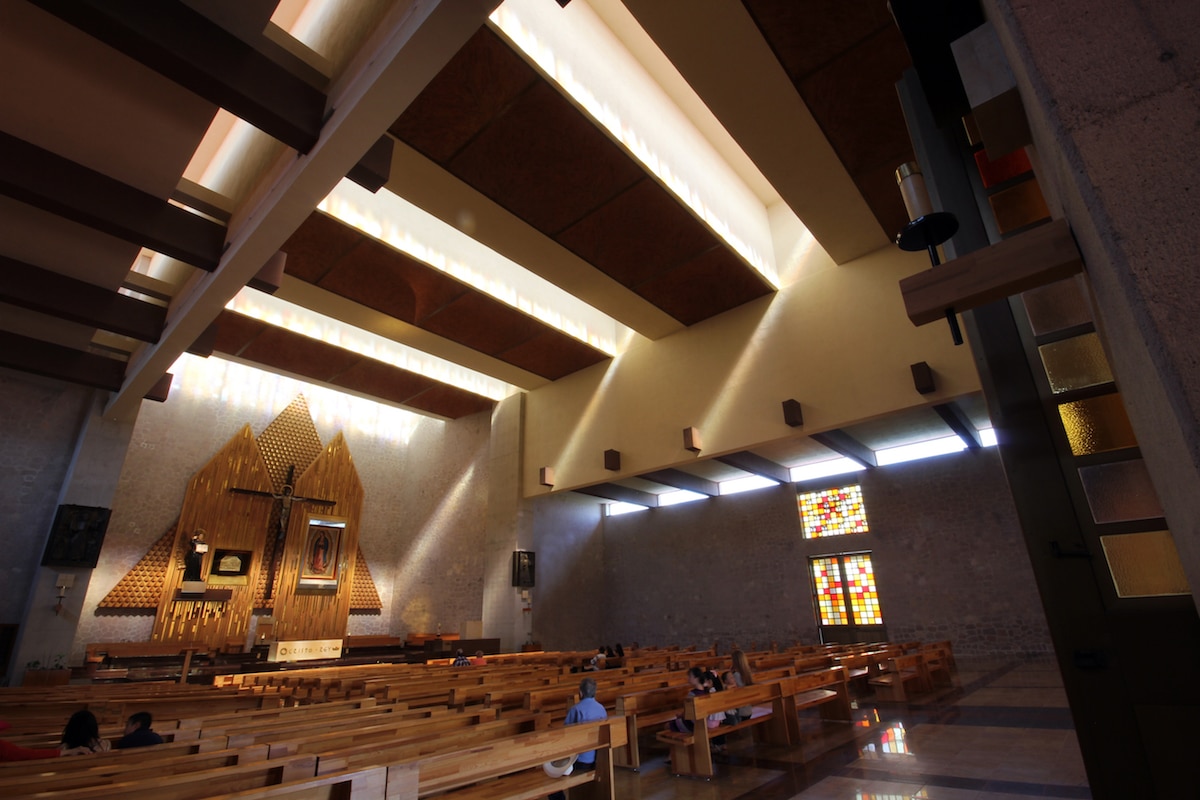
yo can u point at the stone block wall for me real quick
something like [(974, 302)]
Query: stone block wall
[(949, 560)]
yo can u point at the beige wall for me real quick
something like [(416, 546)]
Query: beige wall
[(836, 339)]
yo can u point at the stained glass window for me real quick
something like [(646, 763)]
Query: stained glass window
[(833, 512), (831, 599), (860, 584), (844, 589)]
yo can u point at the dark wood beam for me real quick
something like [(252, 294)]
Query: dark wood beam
[(844, 444), (373, 169), (683, 480), (48, 292), (1039, 256), (623, 494), (64, 363), (191, 50), (960, 423), (757, 465), (52, 183)]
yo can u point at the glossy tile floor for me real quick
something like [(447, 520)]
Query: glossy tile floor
[(1003, 732)]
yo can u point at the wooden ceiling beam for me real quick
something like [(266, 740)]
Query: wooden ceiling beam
[(683, 480), (60, 296), (191, 50), (960, 423), (621, 494), (52, 183), (846, 445), (49, 360), (757, 465)]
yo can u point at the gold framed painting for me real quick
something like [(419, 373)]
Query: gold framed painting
[(321, 556)]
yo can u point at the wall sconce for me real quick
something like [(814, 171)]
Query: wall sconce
[(62, 583), (793, 415), (927, 228), (546, 476), (612, 460), (691, 439)]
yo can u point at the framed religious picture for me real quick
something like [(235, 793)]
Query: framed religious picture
[(322, 550), (76, 537)]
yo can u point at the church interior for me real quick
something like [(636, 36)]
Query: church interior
[(342, 332)]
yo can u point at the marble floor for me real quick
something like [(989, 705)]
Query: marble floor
[(1003, 732)]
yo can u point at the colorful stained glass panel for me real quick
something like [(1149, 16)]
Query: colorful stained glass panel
[(833, 512), (860, 582), (827, 584)]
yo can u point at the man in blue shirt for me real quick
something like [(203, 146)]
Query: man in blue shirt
[(586, 710)]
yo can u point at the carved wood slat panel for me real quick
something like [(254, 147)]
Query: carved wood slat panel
[(302, 613), (231, 522)]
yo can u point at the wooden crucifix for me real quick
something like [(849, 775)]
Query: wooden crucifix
[(286, 498)]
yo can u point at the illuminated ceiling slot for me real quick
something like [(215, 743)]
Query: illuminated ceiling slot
[(413, 231), (297, 319), (576, 50)]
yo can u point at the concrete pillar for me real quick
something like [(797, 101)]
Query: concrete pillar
[(506, 614), (91, 480)]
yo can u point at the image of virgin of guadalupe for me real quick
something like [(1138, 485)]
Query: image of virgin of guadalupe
[(320, 560)]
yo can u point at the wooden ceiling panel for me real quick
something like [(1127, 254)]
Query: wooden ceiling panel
[(482, 79), (858, 108), (545, 161), (640, 233), (553, 354), (806, 36), (317, 245), (482, 323), (449, 401), (300, 355), (386, 280), (378, 379), (704, 287), (235, 332)]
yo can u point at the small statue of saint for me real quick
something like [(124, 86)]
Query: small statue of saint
[(194, 558)]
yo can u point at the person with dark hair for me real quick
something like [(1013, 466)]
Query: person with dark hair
[(695, 679), (460, 659), (82, 734), (138, 732), (586, 710)]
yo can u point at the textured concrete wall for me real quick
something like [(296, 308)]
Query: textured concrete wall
[(42, 420), (422, 524), (570, 603), (949, 560)]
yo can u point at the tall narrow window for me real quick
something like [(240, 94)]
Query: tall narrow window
[(833, 512), (844, 590)]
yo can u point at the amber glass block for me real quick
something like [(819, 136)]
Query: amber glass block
[(1056, 306), (1097, 425), (1019, 206), (1120, 492), (1145, 564), (1075, 363)]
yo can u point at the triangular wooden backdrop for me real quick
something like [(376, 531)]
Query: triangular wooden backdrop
[(237, 521)]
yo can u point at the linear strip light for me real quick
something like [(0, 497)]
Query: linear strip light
[(576, 50), (411, 230), (297, 319)]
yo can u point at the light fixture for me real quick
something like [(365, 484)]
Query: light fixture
[(691, 439), (927, 228), (62, 583)]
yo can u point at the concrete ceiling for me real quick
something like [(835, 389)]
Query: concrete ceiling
[(101, 112)]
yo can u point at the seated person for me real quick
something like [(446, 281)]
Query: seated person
[(14, 752), (82, 735), (479, 660), (461, 660), (138, 732)]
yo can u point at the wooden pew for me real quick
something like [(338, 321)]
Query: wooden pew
[(904, 674), (364, 784), (691, 753), (646, 709), (511, 768)]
